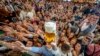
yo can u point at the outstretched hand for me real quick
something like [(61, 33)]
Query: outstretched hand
[(13, 45)]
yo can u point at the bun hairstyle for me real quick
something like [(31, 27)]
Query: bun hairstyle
[(65, 47)]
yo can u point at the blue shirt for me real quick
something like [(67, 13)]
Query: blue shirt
[(42, 50)]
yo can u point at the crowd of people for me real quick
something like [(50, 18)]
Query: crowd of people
[(78, 28)]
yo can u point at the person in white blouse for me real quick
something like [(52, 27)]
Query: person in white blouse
[(27, 11)]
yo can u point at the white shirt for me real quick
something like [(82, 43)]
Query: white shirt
[(30, 15), (84, 26), (22, 15), (82, 54), (58, 52)]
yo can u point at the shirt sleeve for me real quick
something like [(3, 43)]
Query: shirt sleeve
[(36, 50)]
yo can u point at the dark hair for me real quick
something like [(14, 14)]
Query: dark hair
[(65, 47), (97, 41), (79, 41)]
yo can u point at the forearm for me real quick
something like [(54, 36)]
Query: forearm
[(27, 32), (27, 48), (8, 45), (34, 49)]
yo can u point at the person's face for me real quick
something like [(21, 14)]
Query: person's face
[(62, 34), (6, 30), (11, 24), (77, 47), (71, 35), (26, 5), (48, 45), (68, 30), (73, 41), (29, 44), (62, 39), (40, 27), (35, 38), (29, 6), (85, 40), (84, 17), (35, 27)]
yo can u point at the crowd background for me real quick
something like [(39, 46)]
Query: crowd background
[(22, 22)]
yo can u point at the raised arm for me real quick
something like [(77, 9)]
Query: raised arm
[(18, 45), (34, 49)]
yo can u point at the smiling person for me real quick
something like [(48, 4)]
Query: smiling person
[(78, 50)]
